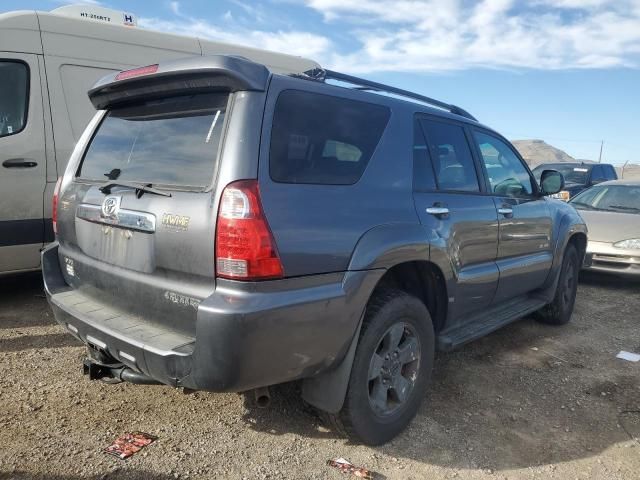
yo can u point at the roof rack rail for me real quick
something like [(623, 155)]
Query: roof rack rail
[(362, 84)]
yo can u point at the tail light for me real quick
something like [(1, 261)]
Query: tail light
[(245, 247), (54, 206)]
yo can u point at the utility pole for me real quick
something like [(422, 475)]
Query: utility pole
[(600, 157), (623, 167)]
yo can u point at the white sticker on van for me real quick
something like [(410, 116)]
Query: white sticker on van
[(580, 169), (9, 129)]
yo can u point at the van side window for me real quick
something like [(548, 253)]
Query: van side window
[(14, 97), (451, 157), (506, 172), (423, 178), (323, 139)]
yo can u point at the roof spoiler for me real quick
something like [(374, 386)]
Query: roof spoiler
[(192, 75)]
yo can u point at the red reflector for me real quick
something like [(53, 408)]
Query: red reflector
[(137, 72), (54, 206), (245, 247)]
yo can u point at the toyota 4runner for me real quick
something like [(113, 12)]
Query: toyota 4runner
[(223, 228)]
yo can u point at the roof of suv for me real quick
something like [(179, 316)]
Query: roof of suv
[(243, 74)]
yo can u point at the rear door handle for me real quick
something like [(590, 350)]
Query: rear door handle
[(19, 163), (507, 212), (437, 211)]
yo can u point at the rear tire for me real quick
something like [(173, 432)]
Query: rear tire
[(391, 369), (559, 311)]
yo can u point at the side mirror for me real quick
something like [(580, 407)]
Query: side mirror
[(551, 181)]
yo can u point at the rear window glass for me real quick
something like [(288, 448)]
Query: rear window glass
[(322, 139), (173, 141)]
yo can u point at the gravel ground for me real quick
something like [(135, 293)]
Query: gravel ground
[(529, 401)]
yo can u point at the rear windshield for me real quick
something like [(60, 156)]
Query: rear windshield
[(172, 141), (322, 139)]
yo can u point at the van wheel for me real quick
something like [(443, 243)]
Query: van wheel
[(559, 311), (391, 369)]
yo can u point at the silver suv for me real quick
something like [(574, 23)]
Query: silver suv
[(223, 228)]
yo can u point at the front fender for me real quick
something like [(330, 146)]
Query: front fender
[(567, 222)]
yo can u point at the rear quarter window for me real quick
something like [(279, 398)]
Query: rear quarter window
[(320, 139)]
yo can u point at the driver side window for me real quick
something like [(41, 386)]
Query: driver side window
[(507, 175)]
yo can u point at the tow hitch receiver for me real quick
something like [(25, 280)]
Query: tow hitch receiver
[(96, 371), (115, 373)]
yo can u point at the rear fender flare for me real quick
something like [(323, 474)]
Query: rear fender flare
[(378, 249)]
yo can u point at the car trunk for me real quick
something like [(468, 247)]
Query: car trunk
[(136, 225)]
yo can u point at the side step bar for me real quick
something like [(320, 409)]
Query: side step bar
[(488, 321)]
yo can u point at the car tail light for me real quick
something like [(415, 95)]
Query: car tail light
[(54, 206), (137, 72), (245, 247)]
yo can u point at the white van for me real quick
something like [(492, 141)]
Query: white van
[(48, 62)]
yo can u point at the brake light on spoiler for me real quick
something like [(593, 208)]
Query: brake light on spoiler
[(245, 247), (137, 72)]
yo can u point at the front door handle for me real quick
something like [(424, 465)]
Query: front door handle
[(19, 163), (438, 211), (506, 211)]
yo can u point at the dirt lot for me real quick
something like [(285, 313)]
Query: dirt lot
[(530, 401)]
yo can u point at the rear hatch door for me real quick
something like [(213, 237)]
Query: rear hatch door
[(137, 224)]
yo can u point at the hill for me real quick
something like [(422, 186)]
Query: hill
[(536, 152)]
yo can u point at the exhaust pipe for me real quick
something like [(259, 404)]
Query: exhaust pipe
[(262, 396)]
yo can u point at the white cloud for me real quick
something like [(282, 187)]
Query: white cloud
[(292, 42), (434, 35), (438, 35)]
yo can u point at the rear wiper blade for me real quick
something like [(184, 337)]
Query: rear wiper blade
[(139, 187)]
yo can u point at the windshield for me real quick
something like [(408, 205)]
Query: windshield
[(611, 198), (14, 78), (571, 173), (172, 141)]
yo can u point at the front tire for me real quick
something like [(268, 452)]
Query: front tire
[(391, 369), (559, 311)]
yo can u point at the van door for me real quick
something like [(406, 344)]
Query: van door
[(22, 162), (461, 220), (524, 253)]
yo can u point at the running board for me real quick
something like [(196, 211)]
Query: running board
[(488, 321)]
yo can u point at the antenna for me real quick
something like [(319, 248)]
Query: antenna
[(600, 157)]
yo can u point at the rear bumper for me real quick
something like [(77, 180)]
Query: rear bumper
[(604, 257), (247, 335)]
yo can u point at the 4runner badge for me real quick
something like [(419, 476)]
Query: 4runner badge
[(111, 206)]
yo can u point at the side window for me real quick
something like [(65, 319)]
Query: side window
[(14, 97), (451, 157), (323, 139), (423, 179), (506, 172)]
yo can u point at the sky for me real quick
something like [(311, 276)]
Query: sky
[(564, 71)]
